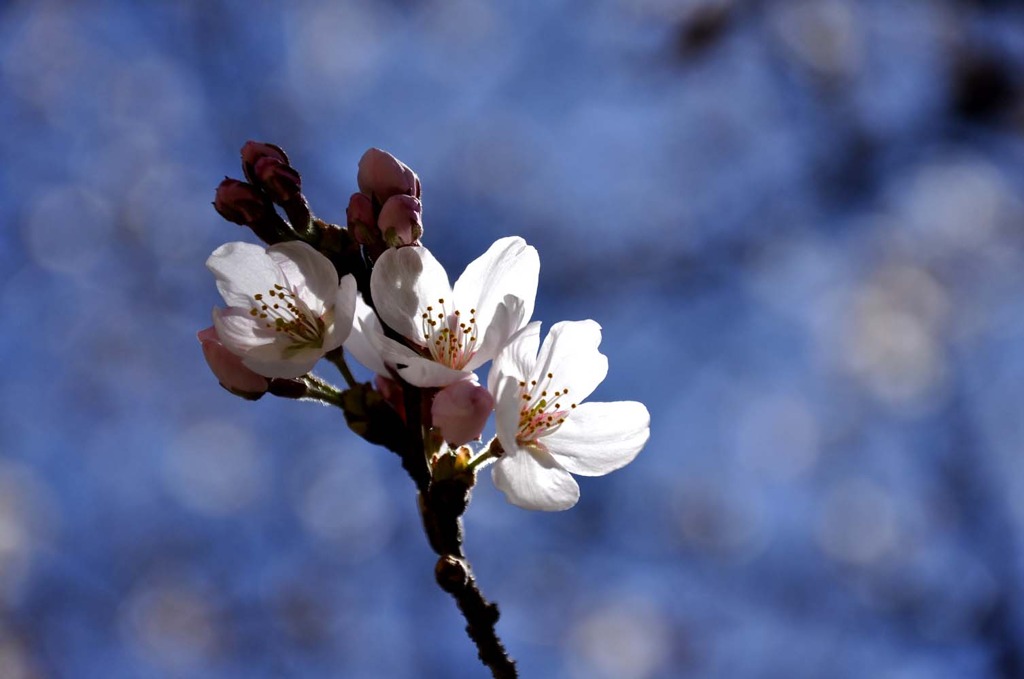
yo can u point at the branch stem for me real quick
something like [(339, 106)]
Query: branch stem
[(322, 391), (455, 576), (492, 451)]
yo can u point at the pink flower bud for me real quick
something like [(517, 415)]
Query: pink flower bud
[(360, 209), (281, 182), (228, 368), (460, 411), (253, 151), (360, 218), (381, 176), (239, 202), (400, 221)]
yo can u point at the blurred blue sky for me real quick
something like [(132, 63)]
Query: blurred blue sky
[(799, 222)]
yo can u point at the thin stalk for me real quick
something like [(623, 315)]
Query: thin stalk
[(319, 390)]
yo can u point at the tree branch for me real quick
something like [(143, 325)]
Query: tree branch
[(441, 509), (455, 577)]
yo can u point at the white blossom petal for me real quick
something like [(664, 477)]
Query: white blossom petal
[(509, 267), (242, 270), (308, 272), (344, 302), (570, 354), (533, 480), (598, 438), (516, 359), (270, 362), (240, 332), (506, 411), (509, 318), (365, 340), (405, 281), (422, 372), (264, 352)]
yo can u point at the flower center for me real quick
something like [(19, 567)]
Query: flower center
[(450, 340), (541, 412), (285, 313)]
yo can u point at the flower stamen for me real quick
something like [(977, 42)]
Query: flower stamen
[(451, 341), (285, 313), (541, 413)]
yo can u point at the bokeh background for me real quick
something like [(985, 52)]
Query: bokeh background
[(799, 222)]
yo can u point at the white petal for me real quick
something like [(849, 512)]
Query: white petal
[(364, 343), (533, 480), (243, 270), (570, 354), (423, 372), (516, 359), (239, 331), (309, 273), (270, 362), (506, 411), (262, 351), (509, 318), (509, 267), (344, 303), (405, 281), (597, 438)]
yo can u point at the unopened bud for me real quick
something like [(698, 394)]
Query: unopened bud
[(240, 203), (228, 368), (381, 176), (460, 411), (360, 218), (281, 181), (244, 204), (254, 151), (401, 221)]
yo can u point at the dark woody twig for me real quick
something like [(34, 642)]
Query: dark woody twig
[(441, 509), (442, 502), (455, 577)]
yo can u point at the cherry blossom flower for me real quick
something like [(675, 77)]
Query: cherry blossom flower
[(545, 430), (286, 307), (366, 341), (454, 329)]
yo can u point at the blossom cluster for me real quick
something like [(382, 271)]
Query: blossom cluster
[(374, 291)]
